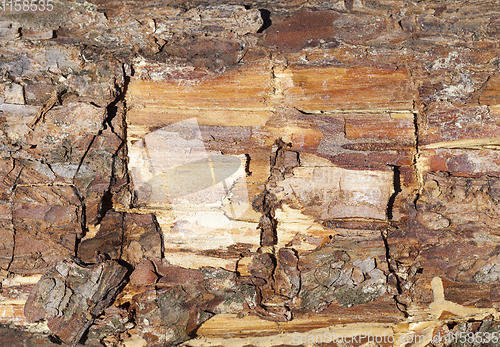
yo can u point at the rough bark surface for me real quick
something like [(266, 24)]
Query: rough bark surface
[(249, 173)]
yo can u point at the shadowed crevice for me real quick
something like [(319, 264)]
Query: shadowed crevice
[(266, 19)]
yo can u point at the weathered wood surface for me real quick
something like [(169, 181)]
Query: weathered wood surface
[(256, 173)]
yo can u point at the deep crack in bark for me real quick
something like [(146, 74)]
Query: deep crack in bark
[(266, 203), (282, 162)]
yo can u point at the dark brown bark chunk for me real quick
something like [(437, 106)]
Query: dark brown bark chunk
[(70, 297)]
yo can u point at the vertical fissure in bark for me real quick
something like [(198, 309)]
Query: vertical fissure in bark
[(160, 233), (416, 157), (83, 222), (247, 165), (106, 205), (11, 260), (268, 261), (399, 305), (268, 223), (111, 113), (397, 189), (396, 179), (282, 162), (112, 108), (14, 231), (107, 198), (266, 20)]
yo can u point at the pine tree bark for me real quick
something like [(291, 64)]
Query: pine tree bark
[(251, 174)]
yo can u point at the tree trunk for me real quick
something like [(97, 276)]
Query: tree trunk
[(249, 174)]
